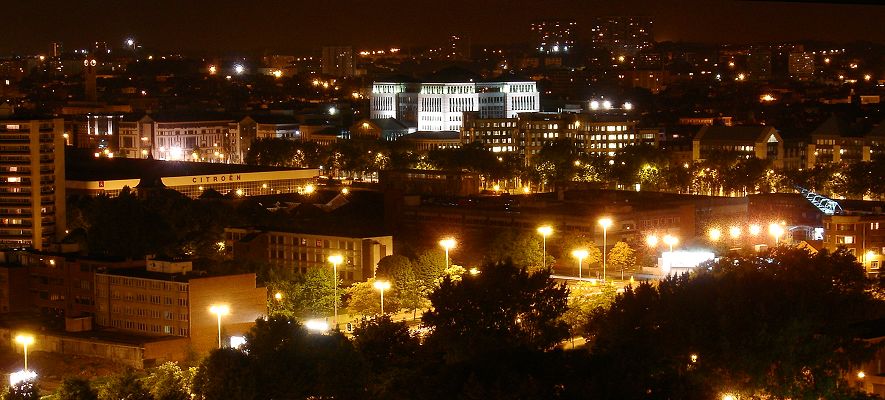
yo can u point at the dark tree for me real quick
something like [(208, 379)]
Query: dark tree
[(126, 385), (225, 375), (76, 388), (502, 307), (779, 324), (25, 390)]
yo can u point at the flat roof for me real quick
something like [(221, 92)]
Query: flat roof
[(86, 167)]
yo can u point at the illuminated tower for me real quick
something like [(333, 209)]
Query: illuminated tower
[(89, 75)]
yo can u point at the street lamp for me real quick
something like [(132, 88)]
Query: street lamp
[(25, 341), (219, 310), (605, 223), (671, 240), (734, 232), (755, 230), (651, 240), (545, 231), (382, 286), (715, 234), (335, 260), (447, 244), (580, 254), (777, 231)]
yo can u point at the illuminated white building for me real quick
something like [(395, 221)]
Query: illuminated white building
[(180, 138), (439, 106)]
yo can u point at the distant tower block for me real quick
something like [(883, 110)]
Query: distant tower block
[(89, 76)]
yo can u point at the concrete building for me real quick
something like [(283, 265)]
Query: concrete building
[(168, 299), (623, 35), (439, 103), (337, 61), (426, 141), (837, 140), (763, 142), (299, 251), (179, 137), (861, 234), (32, 172), (380, 129)]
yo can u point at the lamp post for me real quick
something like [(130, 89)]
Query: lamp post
[(776, 230), (671, 240), (545, 231), (382, 286), (715, 234), (580, 254), (335, 260), (605, 223), (447, 244), (219, 310), (25, 341)]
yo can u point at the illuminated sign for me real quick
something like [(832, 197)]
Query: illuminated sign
[(216, 178), (678, 262)]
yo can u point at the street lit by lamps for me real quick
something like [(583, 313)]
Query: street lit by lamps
[(580, 254), (25, 341), (219, 310), (605, 223), (382, 286), (335, 260), (545, 231), (671, 240), (447, 244)]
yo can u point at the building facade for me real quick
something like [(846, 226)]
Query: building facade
[(762, 142), (32, 172), (861, 234), (440, 106), (180, 138), (299, 251), (337, 61)]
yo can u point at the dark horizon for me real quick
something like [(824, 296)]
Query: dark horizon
[(238, 26)]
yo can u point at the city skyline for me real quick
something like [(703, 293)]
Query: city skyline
[(238, 26)]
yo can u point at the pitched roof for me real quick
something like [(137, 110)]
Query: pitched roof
[(835, 126), (736, 133), (387, 124)]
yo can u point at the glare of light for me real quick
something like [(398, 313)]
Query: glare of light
[(448, 243), (474, 271), (729, 396), (741, 77), (526, 190), (278, 296), (594, 105), (316, 325), (277, 73), (309, 189), (240, 192), (621, 59), (345, 191), (333, 110), (130, 42), (176, 152), (496, 188), (545, 230), (861, 375), (219, 309), (237, 341), (670, 240), (25, 340), (755, 229), (734, 232), (715, 234), (239, 69), (628, 106), (213, 70), (767, 97), (869, 255), (580, 254), (651, 240), (381, 285), (867, 77), (775, 230), (21, 376), (607, 105), (605, 222), (336, 259), (694, 358)]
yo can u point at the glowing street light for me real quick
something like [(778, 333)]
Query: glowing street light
[(729, 396), (239, 69), (382, 286), (651, 240), (447, 244), (670, 240), (580, 254), (777, 231), (734, 232), (130, 42), (335, 260), (25, 341), (605, 223), (715, 234), (545, 231), (278, 296), (219, 310), (755, 230)]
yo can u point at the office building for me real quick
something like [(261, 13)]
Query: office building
[(862, 234), (438, 105), (337, 61), (32, 175), (762, 142), (180, 137), (298, 251), (622, 35), (554, 37)]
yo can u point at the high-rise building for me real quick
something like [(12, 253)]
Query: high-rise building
[(32, 177), (551, 37), (626, 35), (90, 78), (338, 61), (55, 49)]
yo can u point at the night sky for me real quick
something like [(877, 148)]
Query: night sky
[(298, 25)]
